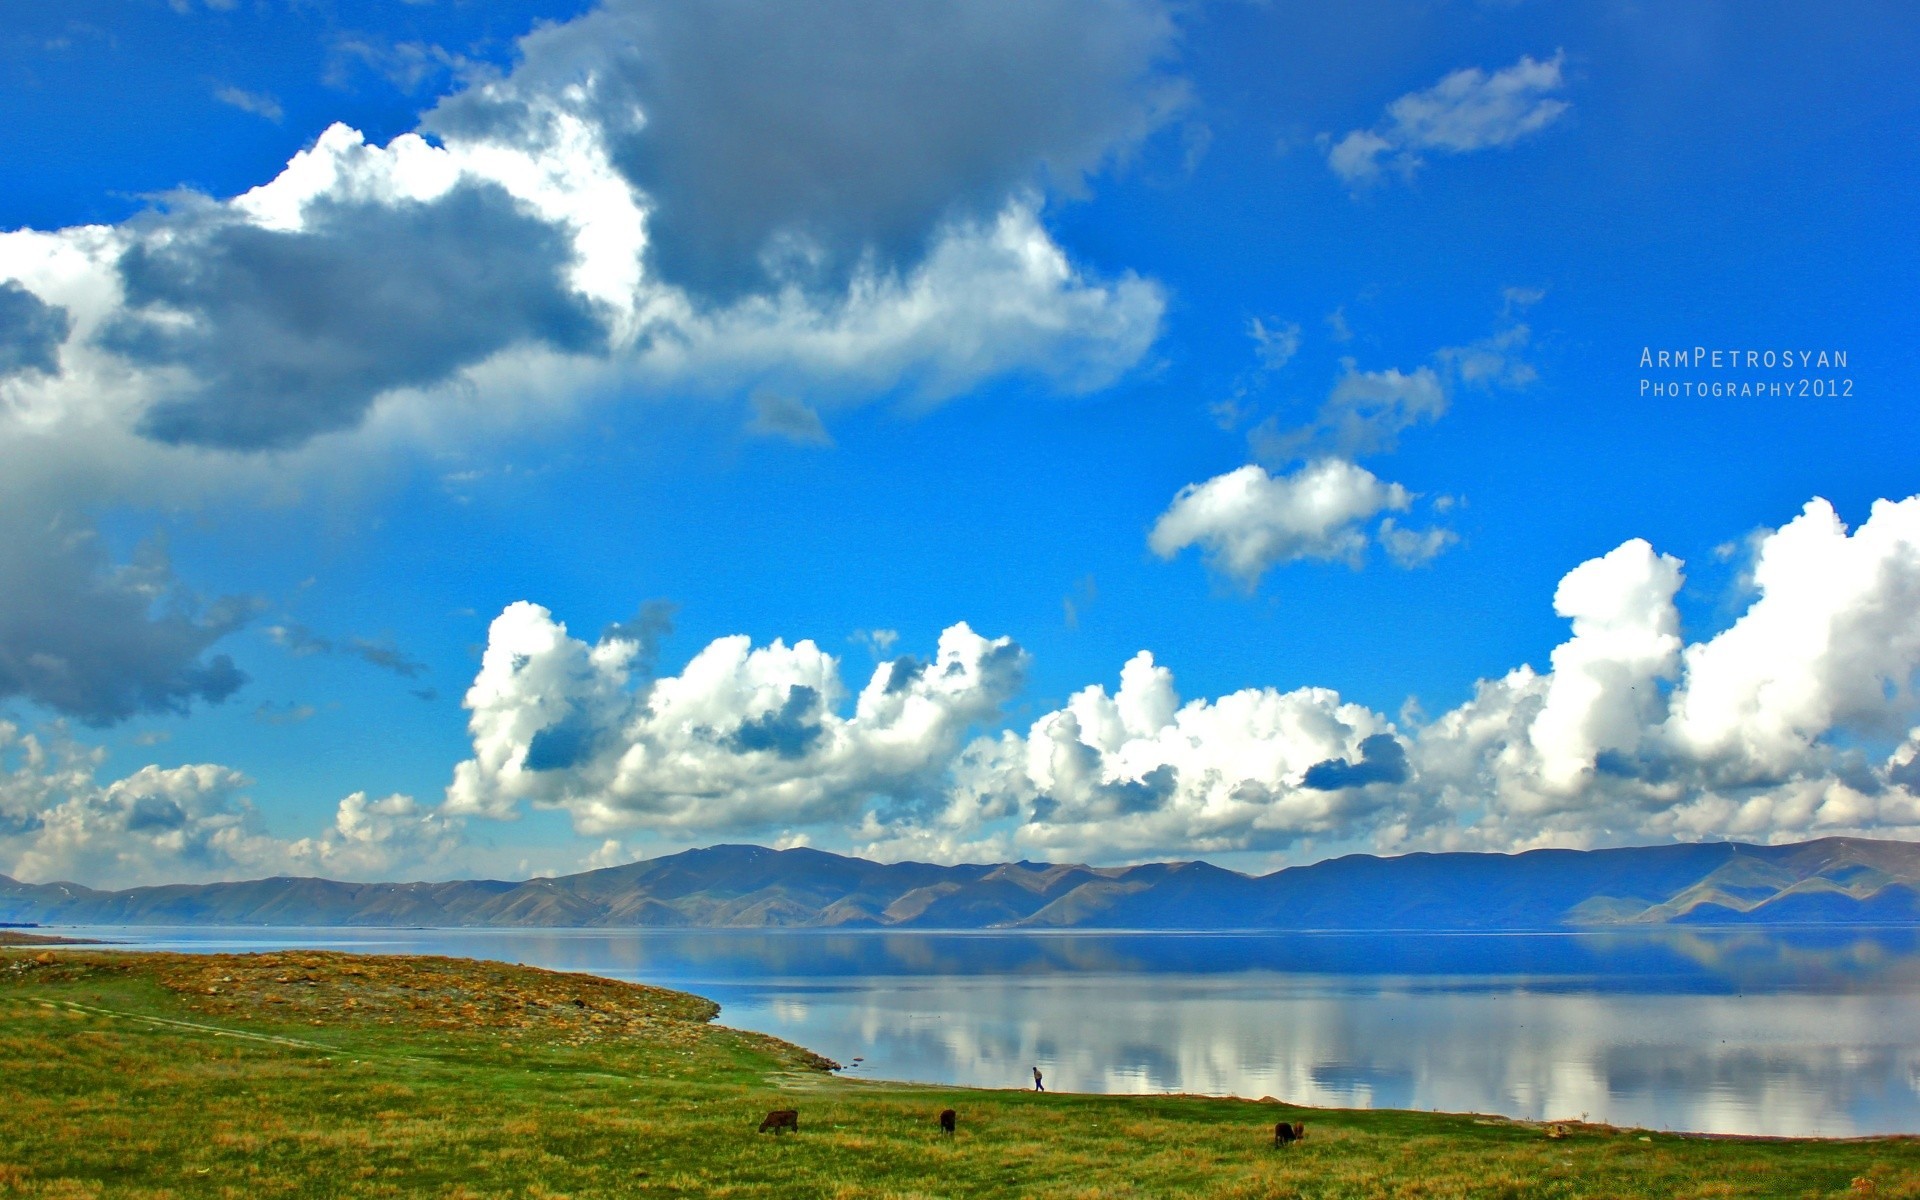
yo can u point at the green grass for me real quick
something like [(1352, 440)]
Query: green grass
[(311, 1074)]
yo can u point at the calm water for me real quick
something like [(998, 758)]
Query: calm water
[(1727, 1032)]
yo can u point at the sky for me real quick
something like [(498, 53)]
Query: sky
[(449, 439)]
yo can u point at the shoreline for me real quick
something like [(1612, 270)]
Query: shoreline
[(837, 1071), (129, 1071), (16, 937)]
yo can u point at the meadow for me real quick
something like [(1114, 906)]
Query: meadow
[(320, 1074)]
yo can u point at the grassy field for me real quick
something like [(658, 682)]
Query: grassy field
[(315, 1074)]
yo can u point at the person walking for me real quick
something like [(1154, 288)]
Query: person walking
[(1037, 1085)]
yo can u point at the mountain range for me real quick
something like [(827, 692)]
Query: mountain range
[(1825, 882)]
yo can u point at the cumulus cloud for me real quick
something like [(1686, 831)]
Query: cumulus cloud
[(58, 821), (1800, 719), (844, 202), (743, 737), (371, 838), (1833, 639), (1765, 730), (657, 200), (1466, 111), (1796, 721), (1137, 772), (1248, 521), (1626, 638)]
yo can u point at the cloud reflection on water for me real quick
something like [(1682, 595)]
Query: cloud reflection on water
[(1741, 1032), (1778, 1063)]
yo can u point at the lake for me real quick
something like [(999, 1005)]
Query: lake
[(1756, 1032)]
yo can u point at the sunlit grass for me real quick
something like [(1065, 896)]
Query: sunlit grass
[(313, 1074)]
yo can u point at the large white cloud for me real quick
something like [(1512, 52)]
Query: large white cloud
[(656, 200), (1604, 689), (1833, 639), (653, 185), (1468, 110), (743, 737), (1140, 773), (1786, 724), (1796, 721)]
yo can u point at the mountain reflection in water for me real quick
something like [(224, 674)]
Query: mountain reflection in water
[(1748, 1031)]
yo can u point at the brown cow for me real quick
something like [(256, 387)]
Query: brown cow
[(946, 1121), (781, 1118), (1285, 1134)]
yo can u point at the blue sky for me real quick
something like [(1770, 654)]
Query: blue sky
[(1299, 349)]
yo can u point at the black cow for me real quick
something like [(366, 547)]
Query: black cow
[(1285, 1134), (946, 1121), (781, 1118)]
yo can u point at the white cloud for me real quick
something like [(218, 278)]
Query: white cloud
[(1796, 722), (1603, 692), (558, 241), (1468, 110), (292, 310), (609, 854), (191, 822), (371, 839), (741, 738), (1248, 521), (1356, 157), (1137, 773), (1833, 639), (992, 297), (1762, 731), (1799, 720)]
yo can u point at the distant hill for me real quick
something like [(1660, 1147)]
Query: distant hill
[(1826, 882)]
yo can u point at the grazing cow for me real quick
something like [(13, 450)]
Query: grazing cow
[(946, 1121), (1285, 1134), (781, 1118)]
